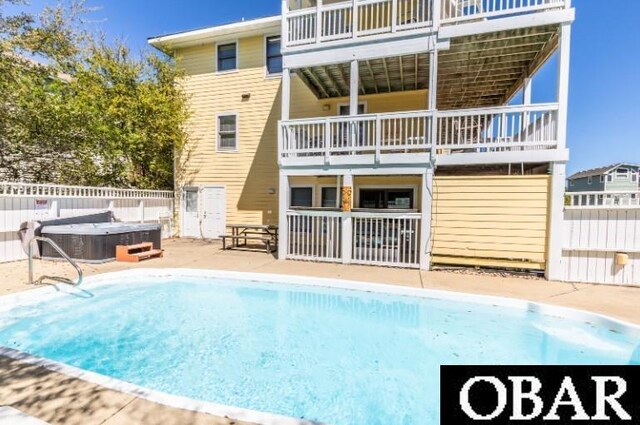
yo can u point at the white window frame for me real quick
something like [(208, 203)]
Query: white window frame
[(572, 183), (620, 176), (360, 102), (602, 178), (226, 43), (590, 180), (218, 147), (303, 186), (413, 187), (609, 177), (330, 186), (634, 176), (268, 75)]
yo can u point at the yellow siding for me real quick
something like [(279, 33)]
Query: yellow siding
[(490, 221), (305, 105), (250, 174)]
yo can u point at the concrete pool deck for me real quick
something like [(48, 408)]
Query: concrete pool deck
[(58, 399)]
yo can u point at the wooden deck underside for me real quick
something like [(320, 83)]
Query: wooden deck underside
[(477, 71)]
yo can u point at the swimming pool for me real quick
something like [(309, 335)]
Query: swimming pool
[(319, 350)]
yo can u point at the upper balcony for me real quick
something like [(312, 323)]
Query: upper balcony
[(312, 24), (521, 133)]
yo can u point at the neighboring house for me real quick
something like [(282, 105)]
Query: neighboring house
[(622, 177), (381, 132)]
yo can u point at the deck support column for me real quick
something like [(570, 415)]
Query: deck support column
[(433, 101), (283, 224), (353, 88), (347, 224), (558, 170), (426, 195), (286, 94)]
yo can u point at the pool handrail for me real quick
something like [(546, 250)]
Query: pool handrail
[(62, 253)]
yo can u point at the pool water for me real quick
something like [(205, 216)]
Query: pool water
[(332, 355)]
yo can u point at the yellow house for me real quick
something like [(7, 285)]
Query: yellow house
[(383, 132)]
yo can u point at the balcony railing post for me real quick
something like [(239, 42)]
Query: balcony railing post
[(327, 141), (355, 17), (319, 22), (394, 15), (285, 24), (436, 13), (378, 138)]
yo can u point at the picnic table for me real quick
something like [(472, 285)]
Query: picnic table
[(241, 234)]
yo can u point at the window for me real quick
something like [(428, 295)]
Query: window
[(345, 109), (227, 132), (610, 177), (329, 197), (191, 201), (572, 183), (622, 174), (589, 180), (274, 56), (227, 57), (602, 178), (302, 197), (400, 199), (634, 177)]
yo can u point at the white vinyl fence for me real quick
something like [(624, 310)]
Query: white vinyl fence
[(602, 238), (24, 202)]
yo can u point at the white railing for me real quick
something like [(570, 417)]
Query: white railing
[(357, 135), (508, 128), (602, 200), (61, 191), (454, 11), (386, 239), (314, 235), (354, 19), (337, 21), (487, 130)]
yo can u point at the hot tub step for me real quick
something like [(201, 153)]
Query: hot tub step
[(137, 253)]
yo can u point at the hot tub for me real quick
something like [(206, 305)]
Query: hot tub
[(96, 242)]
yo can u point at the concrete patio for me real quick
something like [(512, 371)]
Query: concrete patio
[(58, 399)]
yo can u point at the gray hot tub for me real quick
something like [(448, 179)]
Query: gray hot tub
[(96, 242)]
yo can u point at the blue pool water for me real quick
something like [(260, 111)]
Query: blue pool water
[(331, 355)]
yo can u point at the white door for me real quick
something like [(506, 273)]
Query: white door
[(190, 219), (214, 203)]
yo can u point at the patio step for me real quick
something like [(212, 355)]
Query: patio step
[(137, 253)]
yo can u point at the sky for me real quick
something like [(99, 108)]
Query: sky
[(604, 104)]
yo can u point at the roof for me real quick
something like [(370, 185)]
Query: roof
[(602, 170), (195, 37)]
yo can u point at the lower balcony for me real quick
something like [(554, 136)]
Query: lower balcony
[(523, 133)]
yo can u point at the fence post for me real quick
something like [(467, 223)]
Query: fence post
[(141, 210)]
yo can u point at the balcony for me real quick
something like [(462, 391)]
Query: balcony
[(341, 22), (363, 139), (523, 133)]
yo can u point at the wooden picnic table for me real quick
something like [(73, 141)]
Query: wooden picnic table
[(265, 233)]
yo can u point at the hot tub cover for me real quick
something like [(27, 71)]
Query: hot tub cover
[(98, 229)]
